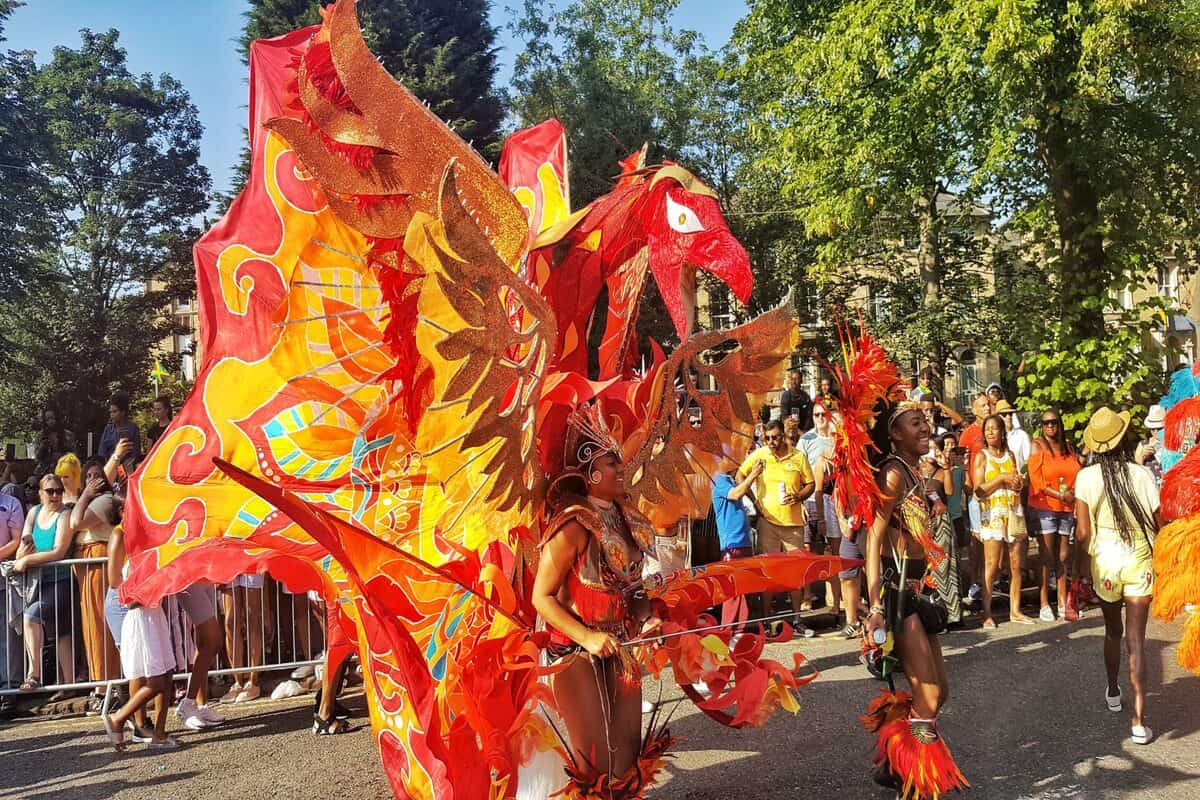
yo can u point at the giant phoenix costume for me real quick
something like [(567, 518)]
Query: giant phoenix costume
[(396, 349)]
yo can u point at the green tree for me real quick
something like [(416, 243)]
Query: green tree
[(613, 72), (1076, 120), (443, 52), (21, 148), (123, 188)]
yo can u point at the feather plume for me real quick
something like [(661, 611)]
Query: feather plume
[(866, 379)]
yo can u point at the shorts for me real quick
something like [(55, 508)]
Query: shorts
[(832, 529), (774, 538), (53, 605), (199, 602), (114, 615), (1004, 527), (1118, 569), (849, 549), (1060, 523)]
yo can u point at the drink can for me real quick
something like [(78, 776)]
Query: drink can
[(782, 492), (880, 636)]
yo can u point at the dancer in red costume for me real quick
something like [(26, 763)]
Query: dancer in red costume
[(586, 590), (911, 756), (878, 445)]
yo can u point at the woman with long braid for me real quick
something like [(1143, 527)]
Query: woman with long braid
[(1116, 518)]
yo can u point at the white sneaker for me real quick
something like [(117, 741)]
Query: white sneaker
[(1046, 614), (190, 714), (301, 672), (1141, 734), (208, 715), (1114, 701)]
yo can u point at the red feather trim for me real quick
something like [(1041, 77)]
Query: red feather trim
[(864, 378), (926, 769), (1179, 496), (885, 709), (587, 784), (323, 74), (1181, 424)]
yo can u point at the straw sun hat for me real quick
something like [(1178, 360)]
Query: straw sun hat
[(1105, 429)]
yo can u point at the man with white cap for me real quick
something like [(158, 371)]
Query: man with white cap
[(1146, 452)]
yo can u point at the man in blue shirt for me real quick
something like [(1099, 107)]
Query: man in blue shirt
[(733, 524)]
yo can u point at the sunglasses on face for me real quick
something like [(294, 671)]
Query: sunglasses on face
[(819, 415), (53, 491), (771, 438), (1050, 422)]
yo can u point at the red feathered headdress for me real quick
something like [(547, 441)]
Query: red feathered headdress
[(866, 380)]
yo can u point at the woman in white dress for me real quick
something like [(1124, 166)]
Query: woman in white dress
[(147, 657)]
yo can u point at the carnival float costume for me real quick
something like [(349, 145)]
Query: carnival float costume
[(909, 754), (393, 343), (1177, 546)]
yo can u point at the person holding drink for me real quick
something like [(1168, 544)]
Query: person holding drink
[(783, 481)]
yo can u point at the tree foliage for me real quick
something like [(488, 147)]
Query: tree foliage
[(443, 51), (617, 74), (1076, 121), (121, 185)]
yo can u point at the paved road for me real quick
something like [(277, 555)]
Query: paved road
[(1026, 722)]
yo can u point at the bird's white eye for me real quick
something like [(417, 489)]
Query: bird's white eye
[(681, 218)]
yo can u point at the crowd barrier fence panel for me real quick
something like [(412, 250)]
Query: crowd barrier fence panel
[(263, 637)]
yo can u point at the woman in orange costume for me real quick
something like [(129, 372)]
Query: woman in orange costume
[(587, 592), (911, 757)]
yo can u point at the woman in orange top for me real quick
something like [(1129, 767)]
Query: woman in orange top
[(1053, 466)]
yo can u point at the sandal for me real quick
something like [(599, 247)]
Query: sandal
[(117, 737), (329, 727), (231, 695), (339, 710), (31, 684)]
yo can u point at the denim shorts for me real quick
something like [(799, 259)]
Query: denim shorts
[(53, 604), (848, 548), (1054, 522), (114, 615)]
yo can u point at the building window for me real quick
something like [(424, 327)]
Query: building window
[(881, 304), (808, 304), (968, 378), (1168, 283), (720, 309)]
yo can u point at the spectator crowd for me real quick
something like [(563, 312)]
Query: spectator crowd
[(1004, 502), (66, 633)]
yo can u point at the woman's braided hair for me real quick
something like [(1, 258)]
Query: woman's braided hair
[(1128, 511)]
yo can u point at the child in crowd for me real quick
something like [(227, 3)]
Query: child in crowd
[(147, 658)]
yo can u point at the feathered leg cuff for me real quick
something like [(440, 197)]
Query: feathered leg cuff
[(588, 784), (910, 755)]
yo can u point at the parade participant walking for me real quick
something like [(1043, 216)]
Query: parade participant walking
[(1053, 466), (1002, 520), (782, 486), (591, 554), (900, 548), (1116, 511), (147, 659)]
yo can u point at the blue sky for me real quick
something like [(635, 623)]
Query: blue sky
[(195, 41)]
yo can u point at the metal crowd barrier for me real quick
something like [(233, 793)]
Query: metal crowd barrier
[(269, 638)]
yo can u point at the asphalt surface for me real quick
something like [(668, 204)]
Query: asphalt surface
[(1026, 721)]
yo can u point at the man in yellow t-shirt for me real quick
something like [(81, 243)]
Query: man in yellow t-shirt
[(784, 481)]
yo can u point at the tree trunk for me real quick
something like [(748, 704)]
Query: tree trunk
[(929, 268), (1083, 269)]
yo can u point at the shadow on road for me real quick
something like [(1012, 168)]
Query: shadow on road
[(1026, 719)]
